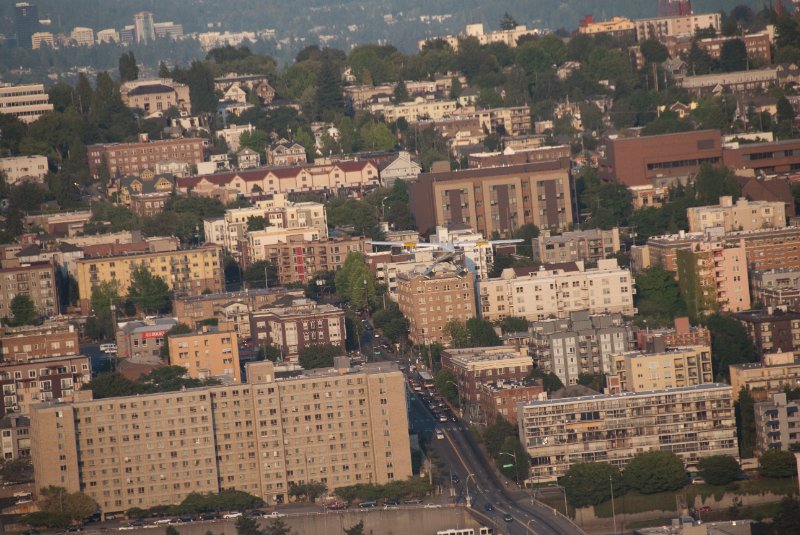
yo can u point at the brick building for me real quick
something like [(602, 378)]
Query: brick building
[(682, 334), (15, 437), (772, 331), (501, 398), (122, 159), (495, 199), (30, 342), (298, 260), (141, 340), (27, 383), (291, 324), (36, 280), (191, 309)]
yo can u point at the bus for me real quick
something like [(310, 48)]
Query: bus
[(427, 379)]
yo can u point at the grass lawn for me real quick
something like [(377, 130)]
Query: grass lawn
[(633, 502)]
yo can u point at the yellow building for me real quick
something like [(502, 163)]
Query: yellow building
[(777, 372), (685, 366), (205, 354), (339, 426), (186, 271)]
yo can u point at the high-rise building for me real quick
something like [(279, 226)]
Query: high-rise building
[(26, 23), (144, 28), (693, 422), (339, 426)]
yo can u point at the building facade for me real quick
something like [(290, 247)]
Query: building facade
[(743, 215), (36, 280), (291, 324), (339, 427), (152, 96), (554, 291), (429, 299), (17, 169), (299, 261), (692, 422), (31, 342), (587, 245), (777, 423), (26, 383), (141, 340), (674, 368), (25, 102), (186, 272), (121, 159), (775, 373), (772, 330), (209, 353), (713, 277), (191, 309), (15, 437)]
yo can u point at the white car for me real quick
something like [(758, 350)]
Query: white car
[(126, 528), (273, 514), (439, 434), (232, 514), (162, 521)]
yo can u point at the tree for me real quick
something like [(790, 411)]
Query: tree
[(590, 483), (401, 92), (149, 292), (261, 274), (653, 51), (550, 381), (745, 423), (512, 324), (777, 463), (319, 356), (445, 383), (17, 470), (357, 529), (719, 469), (246, 525), (527, 233), (733, 56), (787, 519), (308, 491), (713, 182), (77, 506), (475, 332), (329, 99), (128, 69), (171, 530), (655, 471), (276, 526), (699, 60), (23, 310), (785, 111), (730, 343), (256, 223), (658, 295), (107, 385), (508, 22), (356, 283)]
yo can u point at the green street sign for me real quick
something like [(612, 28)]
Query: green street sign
[(508, 465)]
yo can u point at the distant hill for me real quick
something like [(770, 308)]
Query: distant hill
[(347, 22)]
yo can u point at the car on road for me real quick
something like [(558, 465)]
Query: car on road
[(489, 507), (162, 521), (432, 506), (698, 481), (232, 514), (337, 506), (109, 349), (454, 478), (391, 502), (508, 518), (126, 527), (442, 418), (704, 509), (453, 418), (273, 514), (369, 504), (74, 529), (209, 516), (413, 501), (439, 434)]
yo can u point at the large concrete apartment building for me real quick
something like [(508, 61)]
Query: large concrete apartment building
[(495, 199), (587, 245), (554, 291), (429, 299), (186, 271), (777, 423), (339, 426), (673, 368), (775, 373), (742, 215), (693, 422), (713, 277)]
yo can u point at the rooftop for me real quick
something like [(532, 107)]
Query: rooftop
[(644, 393)]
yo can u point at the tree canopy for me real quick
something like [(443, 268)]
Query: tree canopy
[(719, 469), (591, 483), (655, 471), (319, 356)]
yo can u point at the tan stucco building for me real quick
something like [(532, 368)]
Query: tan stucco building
[(685, 366), (741, 215), (337, 426), (206, 354)]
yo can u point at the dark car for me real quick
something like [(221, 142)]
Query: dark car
[(392, 503), (455, 478), (508, 518), (489, 507), (209, 516)]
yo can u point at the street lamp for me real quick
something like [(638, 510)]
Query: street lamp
[(516, 470), (613, 510), (466, 484), (566, 510)]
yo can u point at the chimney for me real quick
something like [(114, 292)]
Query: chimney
[(144, 138)]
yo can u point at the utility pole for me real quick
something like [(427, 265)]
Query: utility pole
[(613, 510)]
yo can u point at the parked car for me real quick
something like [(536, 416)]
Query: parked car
[(209, 516), (337, 506), (439, 434), (393, 503), (232, 514), (162, 521), (273, 514), (413, 501), (368, 504)]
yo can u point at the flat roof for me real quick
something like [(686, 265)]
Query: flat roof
[(643, 393)]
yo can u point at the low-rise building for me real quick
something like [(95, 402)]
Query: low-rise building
[(36, 280), (775, 373), (232, 133), (291, 324), (26, 383), (430, 298), (475, 366), (208, 353), (18, 169), (25, 102), (554, 291), (419, 109), (501, 398), (145, 183), (192, 309), (742, 215), (620, 27), (693, 422), (285, 152), (510, 156), (156, 95), (141, 340), (682, 334), (508, 37), (762, 281), (772, 330), (673, 368), (579, 344), (30, 342), (731, 82), (587, 245), (252, 436), (121, 159), (676, 25), (777, 423)]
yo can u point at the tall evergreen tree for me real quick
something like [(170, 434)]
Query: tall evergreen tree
[(329, 90), (128, 70)]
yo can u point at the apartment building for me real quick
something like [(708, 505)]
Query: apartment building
[(713, 277), (291, 324), (496, 199), (511, 121), (430, 298), (15, 437), (18, 169), (54, 338), (36, 280), (777, 423), (419, 109), (765, 248), (682, 334), (339, 426), (208, 353), (26, 383), (508, 37), (298, 260), (693, 422), (511, 156), (474, 366), (766, 158), (587, 245), (121, 159), (772, 330), (322, 177), (501, 398), (554, 291), (25, 102), (620, 27), (579, 344), (675, 26), (758, 45), (762, 281), (191, 309), (748, 81), (141, 340), (186, 271), (638, 161), (673, 368), (775, 373), (156, 95), (741, 215)]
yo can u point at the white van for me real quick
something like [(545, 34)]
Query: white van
[(109, 348)]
